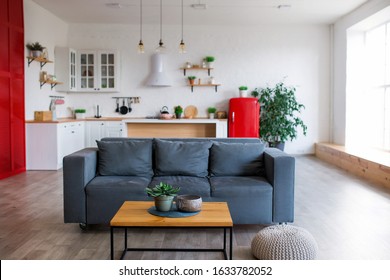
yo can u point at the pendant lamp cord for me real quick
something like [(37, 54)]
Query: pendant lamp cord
[(182, 20), (140, 25), (160, 20)]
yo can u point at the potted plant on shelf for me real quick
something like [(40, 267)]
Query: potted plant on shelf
[(35, 49), (211, 111), (191, 79), (163, 195), (80, 113), (178, 111), (278, 115), (243, 91), (210, 61)]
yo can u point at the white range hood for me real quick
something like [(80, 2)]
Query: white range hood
[(157, 77)]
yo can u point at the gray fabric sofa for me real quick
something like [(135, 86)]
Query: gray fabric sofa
[(256, 182)]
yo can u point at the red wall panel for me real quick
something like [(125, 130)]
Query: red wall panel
[(12, 124)]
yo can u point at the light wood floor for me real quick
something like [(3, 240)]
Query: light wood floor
[(348, 217)]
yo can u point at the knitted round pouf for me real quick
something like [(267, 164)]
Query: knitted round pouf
[(284, 242)]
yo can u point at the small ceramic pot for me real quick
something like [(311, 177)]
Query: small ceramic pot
[(163, 203), (189, 203)]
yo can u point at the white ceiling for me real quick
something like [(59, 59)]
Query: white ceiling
[(218, 12)]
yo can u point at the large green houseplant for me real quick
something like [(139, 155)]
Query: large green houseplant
[(279, 120)]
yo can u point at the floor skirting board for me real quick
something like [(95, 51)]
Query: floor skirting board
[(371, 165)]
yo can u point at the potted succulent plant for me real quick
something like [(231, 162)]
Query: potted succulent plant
[(210, 61), (80, 113), (35, 49), (243, 91), (278, 115), (191, 79), (163, 195), (178, 111), (211, 111)]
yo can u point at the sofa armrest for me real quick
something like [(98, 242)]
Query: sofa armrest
[(79, 169), (280, 172)]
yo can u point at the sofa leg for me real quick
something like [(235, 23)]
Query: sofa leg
[(83, 226), (282, 223)]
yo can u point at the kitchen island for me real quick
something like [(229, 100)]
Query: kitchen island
[(176, 128)]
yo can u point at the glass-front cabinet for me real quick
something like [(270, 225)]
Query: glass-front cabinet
[(98, 71), (87, 70)]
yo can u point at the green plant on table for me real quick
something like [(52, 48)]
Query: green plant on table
[(191, 78), (163, 189), (211, 110), (243, 88), (278, 115), (34, 46), (178, 109), (210, 58)]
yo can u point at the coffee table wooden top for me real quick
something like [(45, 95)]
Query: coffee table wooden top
[(135, 214)]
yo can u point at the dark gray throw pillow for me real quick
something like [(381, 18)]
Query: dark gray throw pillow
[(182, 158), (125, 158), (236, 159)]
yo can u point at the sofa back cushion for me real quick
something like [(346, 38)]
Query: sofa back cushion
[(182, 158), (236, 159), (125, 158)]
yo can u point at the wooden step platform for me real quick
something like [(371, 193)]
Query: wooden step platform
[(373, 165)]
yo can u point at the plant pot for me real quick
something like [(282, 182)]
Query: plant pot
[(179, 115), (243, 93), (211, 115), (163, 203), (210, 64), (36, 53), (80, 116), (192, 82)]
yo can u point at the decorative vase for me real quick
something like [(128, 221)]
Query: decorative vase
[(36, 53), (243, 93), (163, 203), (80, 116)]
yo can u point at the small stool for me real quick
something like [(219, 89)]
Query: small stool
[(284, 242)]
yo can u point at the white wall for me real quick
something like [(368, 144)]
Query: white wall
[(41, 26), (338, 126), (255, 56)]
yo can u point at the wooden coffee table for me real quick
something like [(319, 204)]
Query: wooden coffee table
[(134, 214)]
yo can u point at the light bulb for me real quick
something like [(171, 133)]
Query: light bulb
[(182, 47), (141, 48)]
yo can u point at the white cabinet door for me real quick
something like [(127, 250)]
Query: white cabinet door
[(65, 69), (98, 71), (47, 144), (96, 130), (113, 129)]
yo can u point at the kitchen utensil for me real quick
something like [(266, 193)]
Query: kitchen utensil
[(117, 105), (164, 114), (123, 109), (190, 112), (129, 101)]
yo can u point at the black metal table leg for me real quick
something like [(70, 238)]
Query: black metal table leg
[(231, 243), (112, 243)]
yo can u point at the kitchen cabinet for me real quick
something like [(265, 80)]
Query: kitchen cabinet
[(87, 70), (48, 143), (96, 130), (65, 69), (97, 71)]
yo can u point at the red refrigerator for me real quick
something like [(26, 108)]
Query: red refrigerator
[(244, 117)]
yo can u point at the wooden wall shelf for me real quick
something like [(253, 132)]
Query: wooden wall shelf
[(42, 61), (196, 68), (51, 83), (205, 85)]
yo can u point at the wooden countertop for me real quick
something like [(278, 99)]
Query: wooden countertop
[(129, 120)]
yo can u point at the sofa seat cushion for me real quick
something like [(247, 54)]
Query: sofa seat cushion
[(249, 198), (182, 158), (106, 194), (125, 158), (236, 159), (188, 184)]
